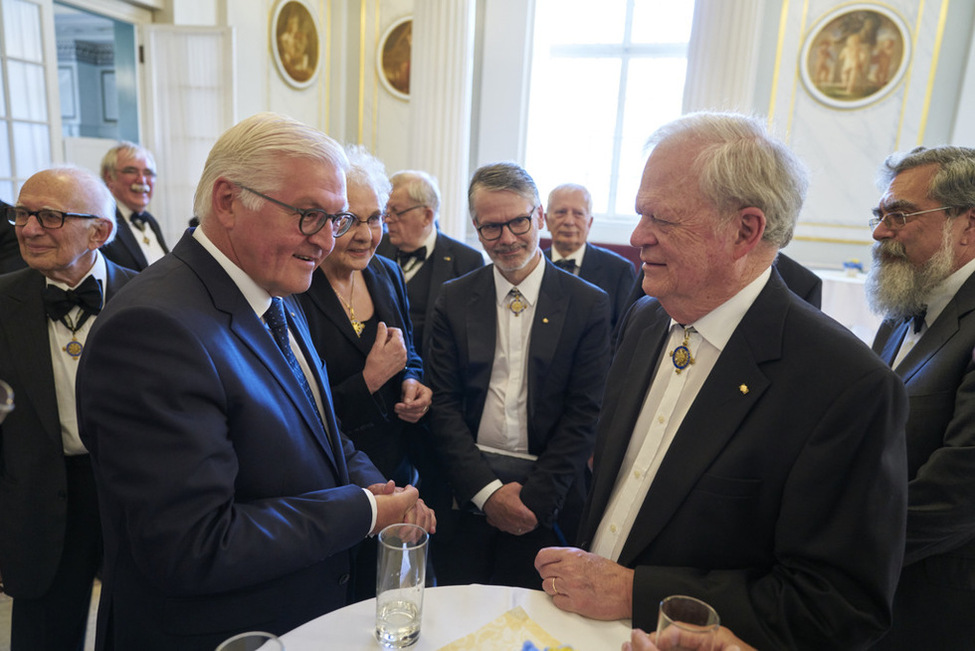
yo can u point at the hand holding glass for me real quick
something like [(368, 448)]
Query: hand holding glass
[(686, 624)]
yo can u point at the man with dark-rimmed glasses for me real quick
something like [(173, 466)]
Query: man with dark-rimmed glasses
[(923, 283), (50, 536), (519, 353), (230, 497), (427, 257)]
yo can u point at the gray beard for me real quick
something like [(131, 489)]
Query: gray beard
[(895, 288)]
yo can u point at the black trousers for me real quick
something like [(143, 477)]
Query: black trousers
[(57, 621)]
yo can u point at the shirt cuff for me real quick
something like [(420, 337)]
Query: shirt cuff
[(482, 495), (375, 511)]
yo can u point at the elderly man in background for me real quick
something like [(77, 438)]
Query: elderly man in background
[(922, 282), (518, 360), (750, 449), (129, 171), (230, 499), (568, 216), (427, 257), (50, 537)]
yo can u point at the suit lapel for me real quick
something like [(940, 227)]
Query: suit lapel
[(550, 315), (254, 335), (734, 386), (328, 304), (25, 322), (442, 265), (127, 238), (482, 330), (941, 331)]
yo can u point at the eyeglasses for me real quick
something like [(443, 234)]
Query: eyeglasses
[(517, 226), (135, 171), (49, 219), (312, 220), (894, 220), (374, 220), (394, 214)]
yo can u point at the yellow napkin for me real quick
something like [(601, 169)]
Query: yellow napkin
[(506, 633)]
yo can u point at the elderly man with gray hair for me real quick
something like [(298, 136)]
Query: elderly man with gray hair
[(50, 536), (923, 282)]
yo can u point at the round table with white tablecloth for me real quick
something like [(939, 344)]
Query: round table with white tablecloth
[(453, 612)]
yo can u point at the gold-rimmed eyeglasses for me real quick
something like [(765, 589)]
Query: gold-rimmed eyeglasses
[(898, 219)]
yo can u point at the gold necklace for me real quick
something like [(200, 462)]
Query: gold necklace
[(357, 325)]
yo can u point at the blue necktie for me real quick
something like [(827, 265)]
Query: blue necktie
[(278, 325)]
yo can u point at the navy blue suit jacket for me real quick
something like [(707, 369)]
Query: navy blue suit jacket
[(32, 474), (782, 499), (225, 505)]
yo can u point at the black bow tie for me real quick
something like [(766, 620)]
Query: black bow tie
[(918, 319), (59, 302), (404, 257), (566, 263), (139, 220)]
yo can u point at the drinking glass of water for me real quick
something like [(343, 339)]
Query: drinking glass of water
[(400, 574)]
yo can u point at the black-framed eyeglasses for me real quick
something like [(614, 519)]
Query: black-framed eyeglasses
[(898, 219), (50, 219), (396, 214), (135, 171), (517, 226), (374, 220), (311, 220)]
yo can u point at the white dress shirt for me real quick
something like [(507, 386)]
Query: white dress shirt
[(937, 302), (668, 400), (146, 237), (430, 242), (65, 366), (503, 426), (576, 256)]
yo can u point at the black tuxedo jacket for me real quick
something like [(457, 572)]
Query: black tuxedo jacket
[(782, 499), (368, 419), (567, 361), (449, 259), (804, 283), (32, 475), (610, 272), (124, 250), (225, 505), (939, 565), (10, 259)]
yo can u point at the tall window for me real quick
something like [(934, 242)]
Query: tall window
[(25, 132), (604, 76)]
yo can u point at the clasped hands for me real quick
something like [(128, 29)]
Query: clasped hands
[(505, 511), (401, 504), (385, 360)]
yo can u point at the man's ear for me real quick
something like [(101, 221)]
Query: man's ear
[(98, 235), (750, 227), (224, 194)]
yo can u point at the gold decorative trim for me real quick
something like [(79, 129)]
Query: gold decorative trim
[(830, 240), (362, 69), (935, 55), (783, 19)]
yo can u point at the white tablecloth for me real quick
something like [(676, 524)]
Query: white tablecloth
[(845, 300), (450, 613)]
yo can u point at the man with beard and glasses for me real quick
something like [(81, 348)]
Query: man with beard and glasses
[(922, 282)]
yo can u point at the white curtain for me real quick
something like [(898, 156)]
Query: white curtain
[(440, 94), (722, 57)]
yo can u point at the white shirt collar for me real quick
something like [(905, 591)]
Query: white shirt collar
[(529, 287), (945, 291), (254, 294), (576, 256), (719, 324), (430, 242)]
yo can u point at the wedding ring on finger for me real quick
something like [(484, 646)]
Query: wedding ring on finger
[(555, 590)]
